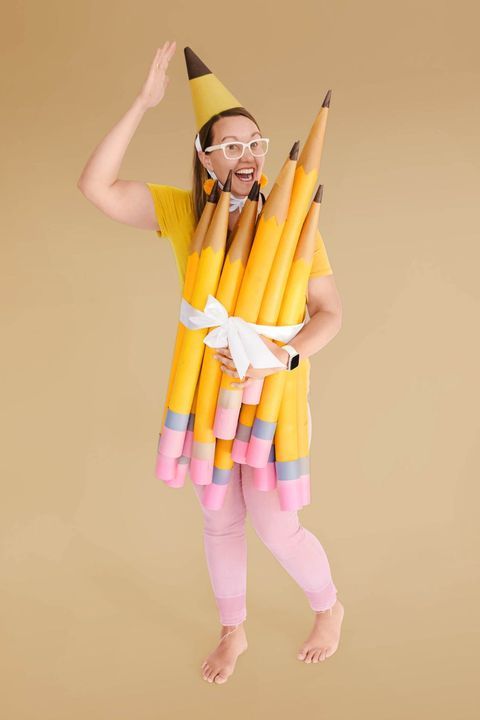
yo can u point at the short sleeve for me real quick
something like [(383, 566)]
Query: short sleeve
[(321, 264), (172, 207)]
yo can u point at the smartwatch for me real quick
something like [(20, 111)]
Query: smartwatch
[(294, 358)]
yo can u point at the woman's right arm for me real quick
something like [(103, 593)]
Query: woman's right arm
[(127, 201)]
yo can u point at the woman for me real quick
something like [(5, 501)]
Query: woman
[(173, 213)]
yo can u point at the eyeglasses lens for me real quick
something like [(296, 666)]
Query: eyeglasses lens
[(257, 147)]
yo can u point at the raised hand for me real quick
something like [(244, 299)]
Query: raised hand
[(157, 80)]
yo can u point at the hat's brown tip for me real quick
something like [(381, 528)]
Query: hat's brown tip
[(195, 66), (326, 102)]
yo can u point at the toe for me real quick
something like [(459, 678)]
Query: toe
[(316, 655), (310, 653), (220, 678), (301, 654), (211, 675)]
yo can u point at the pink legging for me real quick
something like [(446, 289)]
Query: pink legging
[(296, 548)]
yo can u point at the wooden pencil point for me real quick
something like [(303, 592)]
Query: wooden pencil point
[(294, 151), (213, 197), (254, 192), (228, 182), (326, 102), (318, 194)]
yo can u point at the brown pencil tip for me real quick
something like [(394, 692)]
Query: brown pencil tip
[(254, 191), (228, 182), (326, 102), (294, 150), (213, 197), (318, 194)]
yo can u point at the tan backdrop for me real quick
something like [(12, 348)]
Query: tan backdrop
[(107, 605)]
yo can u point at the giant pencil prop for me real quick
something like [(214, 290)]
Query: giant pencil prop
[(212, 461), (267, 237), (292, 311), (260, 284), (203, 449), (285, 455), (192, 347), (166, 465), (287, 404), (291, 468), (304, 183), (270, 226)]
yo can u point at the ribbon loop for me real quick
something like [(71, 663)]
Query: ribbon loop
[(241, 337)]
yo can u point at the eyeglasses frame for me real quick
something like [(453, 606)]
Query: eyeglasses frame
[(238, 142)]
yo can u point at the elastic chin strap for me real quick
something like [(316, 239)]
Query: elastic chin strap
[(235, 202)]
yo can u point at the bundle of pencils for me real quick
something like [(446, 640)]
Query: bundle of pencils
[(258, 287)]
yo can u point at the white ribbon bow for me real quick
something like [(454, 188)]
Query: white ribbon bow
[(240, 336)]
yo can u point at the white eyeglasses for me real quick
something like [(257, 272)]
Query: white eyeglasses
[(235, 150)]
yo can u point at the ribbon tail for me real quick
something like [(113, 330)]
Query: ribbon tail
[(238, 352), (259, 354), (284, 333)]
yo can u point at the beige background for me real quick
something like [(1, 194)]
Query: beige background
[(107, 606)]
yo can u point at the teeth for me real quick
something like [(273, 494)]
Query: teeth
[(245, 172)]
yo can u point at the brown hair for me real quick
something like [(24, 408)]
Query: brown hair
[(199, 197)]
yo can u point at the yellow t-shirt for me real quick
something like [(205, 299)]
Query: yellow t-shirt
[(176, 220)]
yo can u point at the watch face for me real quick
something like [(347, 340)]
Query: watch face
[(295, 361)]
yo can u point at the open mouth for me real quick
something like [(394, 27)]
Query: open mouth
[(245, 174)]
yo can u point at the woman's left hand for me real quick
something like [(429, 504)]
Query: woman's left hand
[(227, 366)]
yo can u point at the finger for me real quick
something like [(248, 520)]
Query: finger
[(157, 59), (162, 56), (161, 50), (230, 367), (227, 359), (172, 49), (161, 62), (168, 54)]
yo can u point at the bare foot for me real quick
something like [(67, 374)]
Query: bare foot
[(325, 635), (220, 664)]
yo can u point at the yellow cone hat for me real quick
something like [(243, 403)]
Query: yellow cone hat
[(209, 95)]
